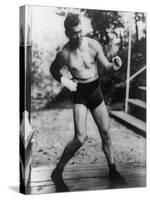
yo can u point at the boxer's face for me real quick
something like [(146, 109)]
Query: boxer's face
[(75, 35)]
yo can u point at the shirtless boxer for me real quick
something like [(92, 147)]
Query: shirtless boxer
[(82, 56)]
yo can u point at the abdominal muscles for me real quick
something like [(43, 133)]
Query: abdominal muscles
[(85, 74)]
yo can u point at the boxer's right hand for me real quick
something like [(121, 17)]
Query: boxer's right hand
[(71, 85)]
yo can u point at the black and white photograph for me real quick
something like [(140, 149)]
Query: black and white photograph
[(82, 99)]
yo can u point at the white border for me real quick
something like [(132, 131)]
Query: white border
[(9, 101)]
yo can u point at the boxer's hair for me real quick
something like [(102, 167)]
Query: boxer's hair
[(71, 20)]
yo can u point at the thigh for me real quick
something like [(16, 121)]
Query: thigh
[(80, 119), (100, 115), (95, 98)]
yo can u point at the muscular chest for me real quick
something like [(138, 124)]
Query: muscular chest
[(81, 59)]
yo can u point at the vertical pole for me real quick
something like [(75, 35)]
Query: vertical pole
[(21, 97), (28, 60), (128, 63), (26, 132)]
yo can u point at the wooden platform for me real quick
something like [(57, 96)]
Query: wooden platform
[(142, 88), (85, 178), (138, 102), (130, 121)]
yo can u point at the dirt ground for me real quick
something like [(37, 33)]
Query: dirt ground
[(54, 128)]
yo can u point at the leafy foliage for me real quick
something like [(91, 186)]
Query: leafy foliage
[(103, 23)]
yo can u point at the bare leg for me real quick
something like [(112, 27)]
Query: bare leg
[(101, 117), (80, 119), (69, 152)]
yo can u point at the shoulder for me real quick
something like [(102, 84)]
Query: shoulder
[(62, 54), (94, 44)]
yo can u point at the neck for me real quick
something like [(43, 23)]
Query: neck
[(75, 46)]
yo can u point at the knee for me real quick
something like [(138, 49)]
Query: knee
[(81, 138)]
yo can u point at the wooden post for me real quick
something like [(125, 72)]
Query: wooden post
[(26, 131), (129, 63)]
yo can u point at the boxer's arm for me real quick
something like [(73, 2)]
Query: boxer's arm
[(56, 66), (116, 61), (101, 57)]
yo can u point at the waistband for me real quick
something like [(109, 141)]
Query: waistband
[(89, 85)]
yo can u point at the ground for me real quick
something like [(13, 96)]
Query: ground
[(54, 128)]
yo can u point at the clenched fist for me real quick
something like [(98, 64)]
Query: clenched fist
[(71, 85), (117, 63)]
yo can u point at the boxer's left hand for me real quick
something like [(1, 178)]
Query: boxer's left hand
[(117, 63)]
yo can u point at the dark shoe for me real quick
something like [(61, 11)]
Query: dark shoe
[(116, 177), (56, 177)]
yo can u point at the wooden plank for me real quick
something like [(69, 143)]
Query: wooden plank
[(44, 175), (137, 108), (74, 185), (130, 121), (92, 175), (84, 184), (98, 165), (138, 102), (74, 174), (42, 190), (68, 168), (88, 185), (143, 88)]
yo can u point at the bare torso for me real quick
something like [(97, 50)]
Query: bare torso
[(81, 62)]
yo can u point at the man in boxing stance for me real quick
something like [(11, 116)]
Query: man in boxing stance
[(82, 56)]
